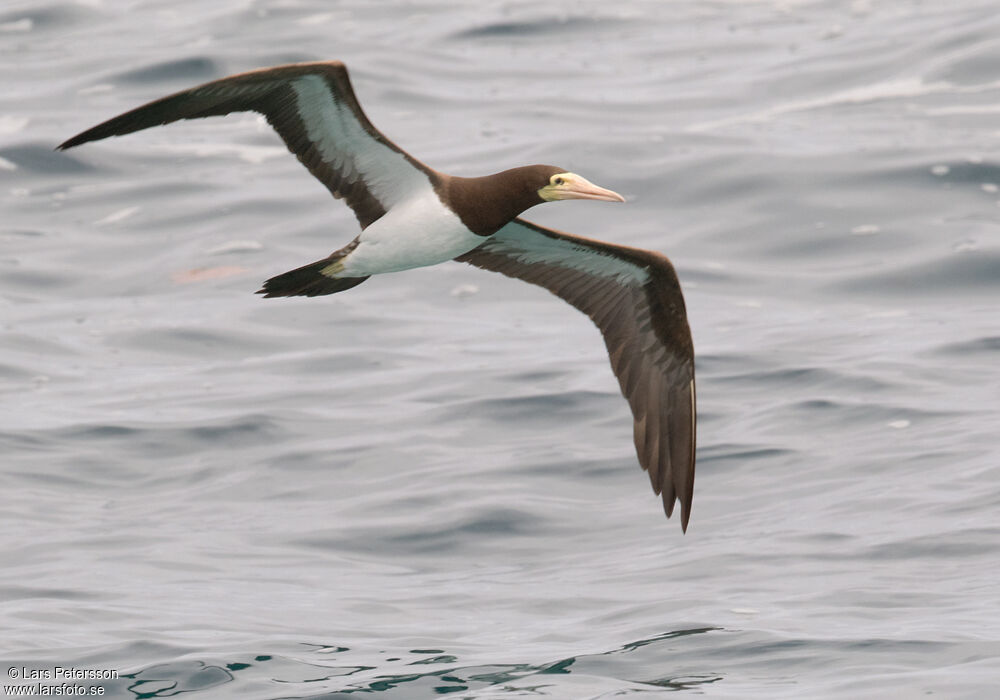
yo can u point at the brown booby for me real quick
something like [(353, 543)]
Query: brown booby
[(412, 216)]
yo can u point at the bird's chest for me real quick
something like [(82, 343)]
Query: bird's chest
[(420, 232)]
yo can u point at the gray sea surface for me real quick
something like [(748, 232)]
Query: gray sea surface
[(427, 485)]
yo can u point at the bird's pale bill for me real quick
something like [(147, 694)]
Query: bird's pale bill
[(573, 186)]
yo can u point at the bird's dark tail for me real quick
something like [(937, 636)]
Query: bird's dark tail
[(309, 281)]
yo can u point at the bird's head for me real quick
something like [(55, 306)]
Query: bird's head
[(487, 204), (557, 184)]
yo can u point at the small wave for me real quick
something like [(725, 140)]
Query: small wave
[(545, 408), (958, 273), (53, 17), (40, 159), (987, 345), (196, 68), (531, 28)]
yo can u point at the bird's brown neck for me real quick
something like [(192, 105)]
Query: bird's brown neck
[(486, 204)]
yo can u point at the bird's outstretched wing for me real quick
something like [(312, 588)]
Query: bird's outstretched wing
[(634, 298), (313, 108)]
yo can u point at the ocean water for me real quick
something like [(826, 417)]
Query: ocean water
[(426, 485)]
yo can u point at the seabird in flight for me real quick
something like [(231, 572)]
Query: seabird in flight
[(412, 216)]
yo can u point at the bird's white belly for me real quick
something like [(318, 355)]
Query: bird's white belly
[(415, 233)]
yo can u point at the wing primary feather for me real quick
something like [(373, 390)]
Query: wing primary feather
[(654, 437), (313, 108), (634, 298)]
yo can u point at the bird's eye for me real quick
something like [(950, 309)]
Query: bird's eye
[(558, 181)]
